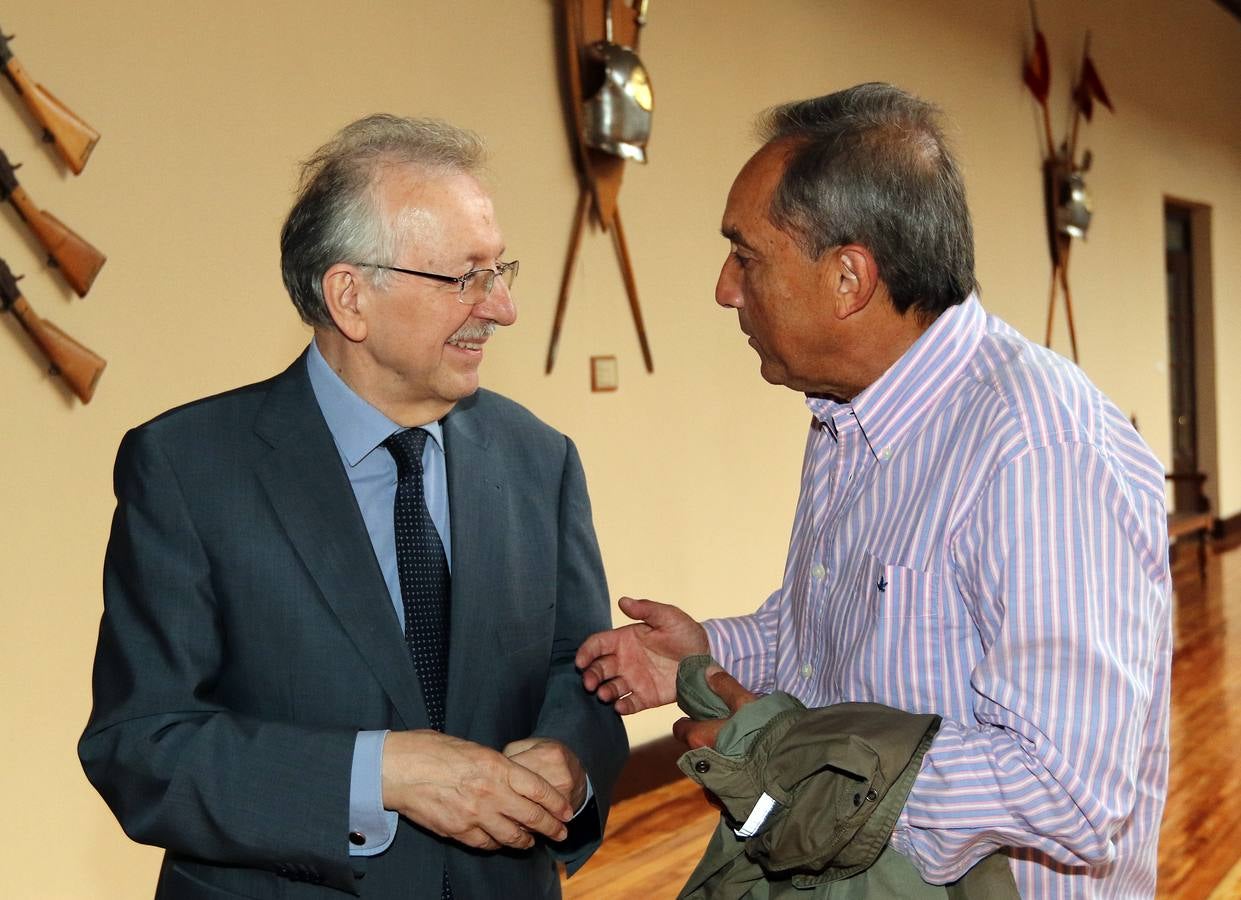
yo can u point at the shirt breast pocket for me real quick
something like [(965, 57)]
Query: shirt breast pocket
[(899, 592), (899, 658)]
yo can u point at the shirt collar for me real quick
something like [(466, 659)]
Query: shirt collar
[(356, 426), (914, 385)]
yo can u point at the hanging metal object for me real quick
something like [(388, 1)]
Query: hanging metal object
[(1073, 205), (617, 115)]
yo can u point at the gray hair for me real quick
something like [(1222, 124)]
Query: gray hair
[(870, 165), (336, 217)]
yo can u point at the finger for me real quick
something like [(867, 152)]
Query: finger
[(623, 698), (515, 747), (598, 644), (478, 838), (600, 670), (629, 703), (534, 818), (538, 790), (728, 688), (612, 690), (656, 615), (549, 765), (514, 835), (698, 734), (640, 609)]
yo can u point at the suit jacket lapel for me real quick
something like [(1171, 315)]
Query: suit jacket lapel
[(477, 496), (311, 494)]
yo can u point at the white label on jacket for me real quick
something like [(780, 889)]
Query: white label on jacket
[(758, 816)]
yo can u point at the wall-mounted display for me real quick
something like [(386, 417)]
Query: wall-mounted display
[(1068, 206), (610, 102)]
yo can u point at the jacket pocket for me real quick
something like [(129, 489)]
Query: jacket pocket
[(176, 883)]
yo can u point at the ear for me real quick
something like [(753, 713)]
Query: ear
[(854, 278), (342, 293)]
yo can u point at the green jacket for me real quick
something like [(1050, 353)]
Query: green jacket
[(835, 780)]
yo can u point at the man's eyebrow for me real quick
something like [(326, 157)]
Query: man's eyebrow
[(733, 235), (474, 260)]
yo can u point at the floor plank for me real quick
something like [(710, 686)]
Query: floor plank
[(1200, 842), (655, 839)]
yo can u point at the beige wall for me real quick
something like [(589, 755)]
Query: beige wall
[(205, 109)]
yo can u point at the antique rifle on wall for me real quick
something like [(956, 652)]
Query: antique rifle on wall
[(76, 364), (74, 139), (76, 259)]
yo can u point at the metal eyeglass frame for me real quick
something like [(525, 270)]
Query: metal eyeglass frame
[(505, 271)]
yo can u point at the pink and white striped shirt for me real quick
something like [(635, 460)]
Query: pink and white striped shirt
[(981, 534)]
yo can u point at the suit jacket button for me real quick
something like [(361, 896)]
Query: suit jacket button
[(357, 838)]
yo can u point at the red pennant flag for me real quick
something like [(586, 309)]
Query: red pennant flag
[(1037, 72), (1089, 89)]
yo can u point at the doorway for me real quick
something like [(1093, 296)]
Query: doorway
[(1190, 352)]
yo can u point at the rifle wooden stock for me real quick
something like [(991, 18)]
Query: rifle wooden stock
[(77, 365), (77, 260), (74, 139)]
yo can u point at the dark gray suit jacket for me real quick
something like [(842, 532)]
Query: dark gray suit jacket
[(247, 636)]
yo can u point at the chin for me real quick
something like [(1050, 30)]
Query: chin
[(773, 374), (463, 388), (451, 387)]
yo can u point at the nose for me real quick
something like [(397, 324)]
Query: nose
[(728, 285), (499, 306)]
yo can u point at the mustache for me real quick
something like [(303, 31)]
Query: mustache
[(475, 332)]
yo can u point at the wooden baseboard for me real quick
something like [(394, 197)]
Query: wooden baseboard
[(651, 765)]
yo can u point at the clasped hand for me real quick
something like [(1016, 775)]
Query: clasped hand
[(478, 796), (706, 732)]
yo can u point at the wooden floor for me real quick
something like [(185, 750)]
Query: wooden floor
[(654, 840)]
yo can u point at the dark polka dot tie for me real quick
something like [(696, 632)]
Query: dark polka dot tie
[(423, 571), (425, 583)]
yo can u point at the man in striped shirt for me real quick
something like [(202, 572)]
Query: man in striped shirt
[(980, 533)]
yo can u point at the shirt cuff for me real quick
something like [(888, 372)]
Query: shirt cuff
[(590, 792), (371, 827)]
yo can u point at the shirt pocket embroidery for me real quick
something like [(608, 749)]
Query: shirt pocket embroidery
[(899, 592)]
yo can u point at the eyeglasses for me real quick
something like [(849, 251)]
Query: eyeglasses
[(472, 287)]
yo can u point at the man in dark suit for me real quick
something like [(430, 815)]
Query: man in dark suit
[(341, 606)]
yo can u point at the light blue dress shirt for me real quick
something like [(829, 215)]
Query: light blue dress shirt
[(359, 430)]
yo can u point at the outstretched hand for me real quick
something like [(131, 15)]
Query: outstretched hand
[(635, 666), (705, 733)]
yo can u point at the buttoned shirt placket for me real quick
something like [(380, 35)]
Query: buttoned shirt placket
[(838, 465)]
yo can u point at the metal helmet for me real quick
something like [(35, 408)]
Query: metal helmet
[(1073, 205), (618, 115)]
